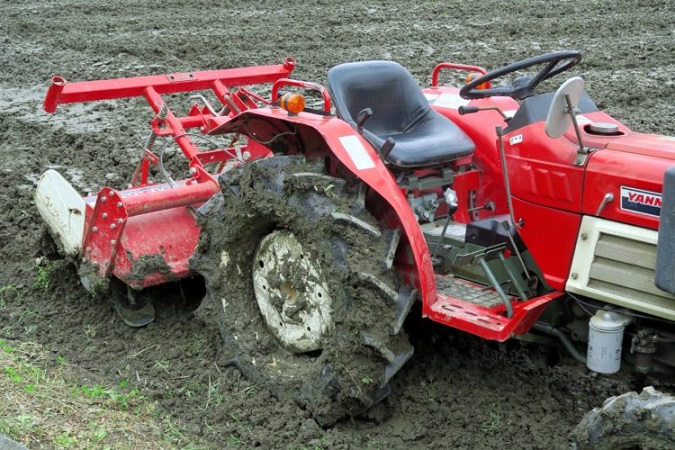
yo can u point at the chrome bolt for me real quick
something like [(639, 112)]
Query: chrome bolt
[(584, 236), (104, 215), (119, 204), (113, 242), (94, 229), (113, 226), (104, 199), (575, 276)]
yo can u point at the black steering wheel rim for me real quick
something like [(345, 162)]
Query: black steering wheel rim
[(552, 68)]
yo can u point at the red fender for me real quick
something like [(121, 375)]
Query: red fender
[(359, 158)]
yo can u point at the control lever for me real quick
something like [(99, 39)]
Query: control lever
[(489, 206), (474, 109), (450, 197), (387, 147), (361, 118), (467, 110)]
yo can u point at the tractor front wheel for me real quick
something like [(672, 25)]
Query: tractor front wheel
[(629, 421), (296, 270)]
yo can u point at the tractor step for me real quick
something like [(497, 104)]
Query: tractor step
[(478, 310), (469, 292)]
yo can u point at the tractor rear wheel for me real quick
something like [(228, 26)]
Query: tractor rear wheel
[(629, 421), (300, 277)]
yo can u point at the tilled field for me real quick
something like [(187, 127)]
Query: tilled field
[(456, 392)]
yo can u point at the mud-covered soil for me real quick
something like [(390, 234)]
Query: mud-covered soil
[(456, 392), (316, 274)]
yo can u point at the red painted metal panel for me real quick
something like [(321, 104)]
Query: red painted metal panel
[(542, 170), (144, 222), (155, 248), (381, 180), (106, 224), (550, 236)]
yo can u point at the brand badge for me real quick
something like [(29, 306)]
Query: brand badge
[(639, 201)]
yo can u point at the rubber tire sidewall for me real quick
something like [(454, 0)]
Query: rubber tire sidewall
[(345, 378), (624, 421)]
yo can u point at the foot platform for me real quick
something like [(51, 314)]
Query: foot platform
[(479, 310)]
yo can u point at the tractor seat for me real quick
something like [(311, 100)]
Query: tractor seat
[(423, 137)]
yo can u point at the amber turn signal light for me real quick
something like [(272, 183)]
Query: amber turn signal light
[(293, 103), (472, 76)]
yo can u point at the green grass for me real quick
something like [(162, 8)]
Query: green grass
[(495, 419), (43, 276), (40, 409), (110, 396), (234, 440)]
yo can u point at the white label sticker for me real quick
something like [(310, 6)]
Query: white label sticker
[(516, 139), (357, 152), (453, 101), (430, 97)]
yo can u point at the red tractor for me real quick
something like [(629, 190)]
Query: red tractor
[(317, 226)]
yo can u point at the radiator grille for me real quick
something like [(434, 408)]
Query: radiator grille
[(625, 267)]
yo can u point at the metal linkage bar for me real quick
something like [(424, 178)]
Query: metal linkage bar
[(61, 92)]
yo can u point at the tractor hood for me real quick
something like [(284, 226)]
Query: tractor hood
[(624, 177)]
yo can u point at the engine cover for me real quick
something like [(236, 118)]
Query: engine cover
[(631, 169)]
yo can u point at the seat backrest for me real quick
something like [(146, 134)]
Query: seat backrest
[(385, 87)]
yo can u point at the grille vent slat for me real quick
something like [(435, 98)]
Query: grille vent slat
[(625, 267), (640, 254)]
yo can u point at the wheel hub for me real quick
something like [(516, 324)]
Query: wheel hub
[(291, 292)]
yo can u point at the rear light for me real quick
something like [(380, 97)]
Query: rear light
[(293, 103), (474, 75)]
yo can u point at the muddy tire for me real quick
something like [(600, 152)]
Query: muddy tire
[(299, 276), (629, 421)]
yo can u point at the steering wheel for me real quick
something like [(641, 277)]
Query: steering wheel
[(555, 63)]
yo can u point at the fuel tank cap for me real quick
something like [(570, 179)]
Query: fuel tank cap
[(604, 128)]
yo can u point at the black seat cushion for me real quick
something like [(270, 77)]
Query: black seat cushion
[(423, 137)]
